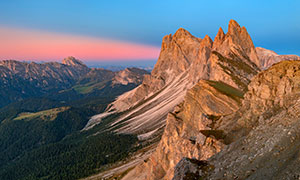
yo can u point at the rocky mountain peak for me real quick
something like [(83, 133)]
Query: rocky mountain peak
[(166, 42), (177, 53), (219, 38), (236, 42), (72, 61), (181, 33), (206, 42), (233, 27)]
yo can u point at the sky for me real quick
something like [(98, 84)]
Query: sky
[(132, 30)]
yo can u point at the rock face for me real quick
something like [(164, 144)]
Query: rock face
[(190, 169), (268, 57), (264, 133), (183, 61), (190, 128), (129, 75), (210, 77), (203, 105)]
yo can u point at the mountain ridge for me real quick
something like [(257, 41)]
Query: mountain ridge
[(24, 80)]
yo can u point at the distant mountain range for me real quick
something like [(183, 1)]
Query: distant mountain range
[(71, 77)]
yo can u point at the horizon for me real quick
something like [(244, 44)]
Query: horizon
[(96, 32)]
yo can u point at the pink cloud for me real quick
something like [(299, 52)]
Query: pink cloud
[(24, 44)]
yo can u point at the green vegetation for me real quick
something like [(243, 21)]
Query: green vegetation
[(88, 87), (40, 130), (47, 115), (73, 158), (227, 90), (41, 138), (236, 64), (83, 89)]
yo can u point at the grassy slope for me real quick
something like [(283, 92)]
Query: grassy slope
[(47, 115)]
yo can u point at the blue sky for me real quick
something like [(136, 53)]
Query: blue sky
[(272, 24)]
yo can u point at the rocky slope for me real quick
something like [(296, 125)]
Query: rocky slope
[(129, 75), (24, 80), (268, 57), (263, 134)]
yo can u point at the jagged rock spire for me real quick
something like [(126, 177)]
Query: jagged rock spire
[(206, 42), (219, 38)]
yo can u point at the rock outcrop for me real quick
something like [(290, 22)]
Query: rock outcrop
[(129, 75), (264, 133), (190, 169), (268, 57)]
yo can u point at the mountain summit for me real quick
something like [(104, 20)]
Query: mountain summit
[(72, 61)]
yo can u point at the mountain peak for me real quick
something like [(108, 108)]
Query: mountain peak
[(219, 38), (233, 26), (206, 41), (166, 41), (72, 61), (182, 34), (237, 37)]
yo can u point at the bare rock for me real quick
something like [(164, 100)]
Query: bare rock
[(268, 57), (190, 169)]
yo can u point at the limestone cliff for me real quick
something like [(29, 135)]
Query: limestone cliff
[(204, 104), (190, 128), (183, 61), (264, 133)]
